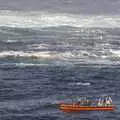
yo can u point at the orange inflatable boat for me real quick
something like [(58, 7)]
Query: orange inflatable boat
[(77, 108)]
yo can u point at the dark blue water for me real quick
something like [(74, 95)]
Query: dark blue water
[(31, 93), (48, 58)]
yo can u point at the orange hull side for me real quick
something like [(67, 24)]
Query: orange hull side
[(78, 108)]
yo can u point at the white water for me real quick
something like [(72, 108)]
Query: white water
[(81, 56), (43, 19), (79, 84), (24, 54)]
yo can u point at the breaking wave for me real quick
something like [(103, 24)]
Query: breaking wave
[(24, 54), (80, 56), (21, 64), (44, 19), (115, 52)]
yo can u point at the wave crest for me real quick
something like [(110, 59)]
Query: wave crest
[(76, 57)]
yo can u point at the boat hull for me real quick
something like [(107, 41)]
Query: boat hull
[(78, 108)]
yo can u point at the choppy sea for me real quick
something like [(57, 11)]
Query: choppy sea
[(48, 58)]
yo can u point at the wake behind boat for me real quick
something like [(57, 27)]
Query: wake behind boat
[(88, 105)]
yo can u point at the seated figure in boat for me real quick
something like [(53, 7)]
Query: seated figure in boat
[(105, 102), (100, 102), (84, 102), (108, 101)]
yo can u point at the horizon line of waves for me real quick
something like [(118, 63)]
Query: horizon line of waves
[(42, 19)]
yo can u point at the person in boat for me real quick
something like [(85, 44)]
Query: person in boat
[(105, 102), (108, 101), (88, 102), (84, 102), (100, 102)]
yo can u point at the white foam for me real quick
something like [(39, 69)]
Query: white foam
[(115, 56), (11, 41), (42, 19), (80, 83), (38, 46), (67, 57), (115, 52), (29, 64), (25, 54)]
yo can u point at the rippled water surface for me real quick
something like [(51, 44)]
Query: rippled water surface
[(47, 58), (33, 92)]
